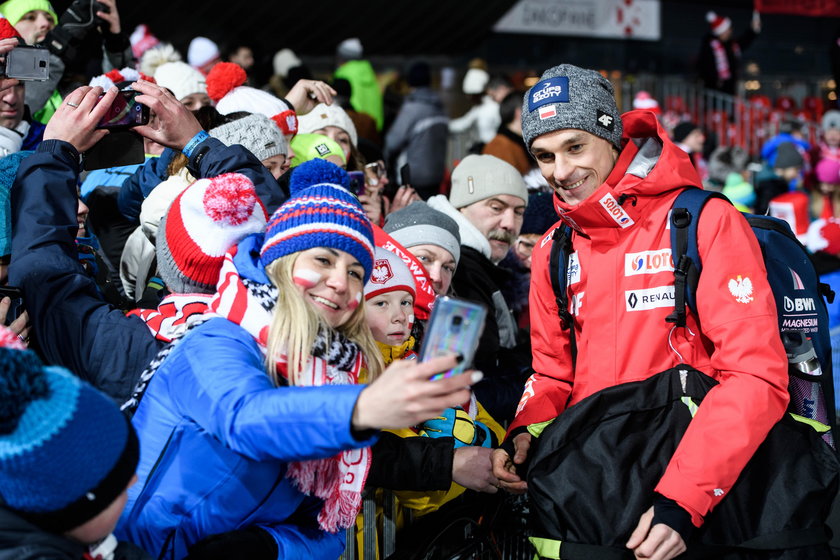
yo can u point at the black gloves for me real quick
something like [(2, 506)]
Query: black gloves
[(252, 543), (73, 26)]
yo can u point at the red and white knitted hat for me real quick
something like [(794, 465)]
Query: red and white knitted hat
[(224, 86), (644, 100), (719, 24), (389, 274), (202, 223), (119, 78)]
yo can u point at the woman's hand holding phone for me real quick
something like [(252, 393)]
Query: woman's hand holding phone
[(405, 395), (76, 118)]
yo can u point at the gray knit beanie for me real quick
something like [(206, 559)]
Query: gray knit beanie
[(570, 97), (257, 133), (480, 177), (419, 224)]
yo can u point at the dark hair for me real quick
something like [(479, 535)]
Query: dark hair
[(509, 105), (498, 80)]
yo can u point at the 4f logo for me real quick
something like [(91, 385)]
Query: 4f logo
[(605, 120)]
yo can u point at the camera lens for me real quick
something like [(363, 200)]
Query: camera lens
[(457, 320)]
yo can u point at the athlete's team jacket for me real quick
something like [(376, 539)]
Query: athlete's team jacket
[(621, 288)]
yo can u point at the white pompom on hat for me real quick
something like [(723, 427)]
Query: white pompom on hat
[(719, 24)]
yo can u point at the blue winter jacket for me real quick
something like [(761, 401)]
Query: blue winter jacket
[(74, 325), (215, 440)]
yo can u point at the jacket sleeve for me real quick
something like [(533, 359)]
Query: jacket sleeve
[(742, 326), (137, 187), (221, 384), (73, 324), (465, 121), (403, 461), (302, 538), (212, 158), (399, 133), (547, 390)]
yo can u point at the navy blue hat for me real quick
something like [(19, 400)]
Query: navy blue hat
[(539, 214), (66, 451)]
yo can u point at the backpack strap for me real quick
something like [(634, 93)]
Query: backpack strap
[(558, 264), (685, 215)]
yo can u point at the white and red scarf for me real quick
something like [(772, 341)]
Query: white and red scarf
[(171, 317), (721, 60), (338, 480)]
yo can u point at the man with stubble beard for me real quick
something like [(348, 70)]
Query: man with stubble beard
[(487, 200)]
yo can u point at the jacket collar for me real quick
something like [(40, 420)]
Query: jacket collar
[(470, 236)]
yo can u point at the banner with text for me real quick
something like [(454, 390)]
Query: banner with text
[(614, 19)]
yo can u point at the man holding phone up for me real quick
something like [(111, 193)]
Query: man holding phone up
[(615, 191)]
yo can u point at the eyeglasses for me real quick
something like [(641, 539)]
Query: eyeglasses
[(375, 172)]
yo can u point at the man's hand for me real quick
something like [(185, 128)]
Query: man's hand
[(174, 125), (404, 196), (471, 468), (76, 118), (505, 468), (306, 94), (6, 46), (111, 18), (658, 543)]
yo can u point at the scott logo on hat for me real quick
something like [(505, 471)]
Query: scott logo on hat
[(550, 90)]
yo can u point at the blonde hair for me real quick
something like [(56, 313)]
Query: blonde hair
[(295, 324)]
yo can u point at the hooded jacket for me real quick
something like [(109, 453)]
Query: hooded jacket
[(621, 289)]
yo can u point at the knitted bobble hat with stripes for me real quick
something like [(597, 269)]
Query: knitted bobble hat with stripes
[(202, 223), (66, 451), (320, 215)]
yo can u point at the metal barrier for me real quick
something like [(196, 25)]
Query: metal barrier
[(488, 540), (733, 119)]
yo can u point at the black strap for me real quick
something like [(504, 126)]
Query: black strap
[(680, 220), (558, 269)]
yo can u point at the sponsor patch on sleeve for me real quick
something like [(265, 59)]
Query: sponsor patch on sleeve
[(549, 91)]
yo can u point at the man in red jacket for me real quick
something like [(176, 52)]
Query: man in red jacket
[(616, 190)]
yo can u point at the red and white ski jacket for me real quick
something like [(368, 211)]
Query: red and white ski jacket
[(621, 288)]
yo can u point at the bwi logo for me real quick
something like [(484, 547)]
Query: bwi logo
[(381, 272)]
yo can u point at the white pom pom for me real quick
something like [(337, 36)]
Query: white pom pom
[(711, 17), (156, 56)]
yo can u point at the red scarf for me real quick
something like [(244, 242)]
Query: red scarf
[(172, 315)]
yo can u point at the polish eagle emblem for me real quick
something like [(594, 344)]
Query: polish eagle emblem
[(381, 272), (741, 289)]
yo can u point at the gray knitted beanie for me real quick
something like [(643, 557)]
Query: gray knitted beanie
[(570, 97), (479, 177), (419, 224), (257, 133)]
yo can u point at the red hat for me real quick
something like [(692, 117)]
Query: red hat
[(202, 223), (719, 24), (7, 30)]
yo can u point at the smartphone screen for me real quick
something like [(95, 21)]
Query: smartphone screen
[(125, 112), (357, 182), (454, 328)]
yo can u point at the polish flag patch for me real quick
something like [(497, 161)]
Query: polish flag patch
[(547, 112)]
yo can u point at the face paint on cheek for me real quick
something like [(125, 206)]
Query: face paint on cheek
[(306, 278), (355, 302)]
